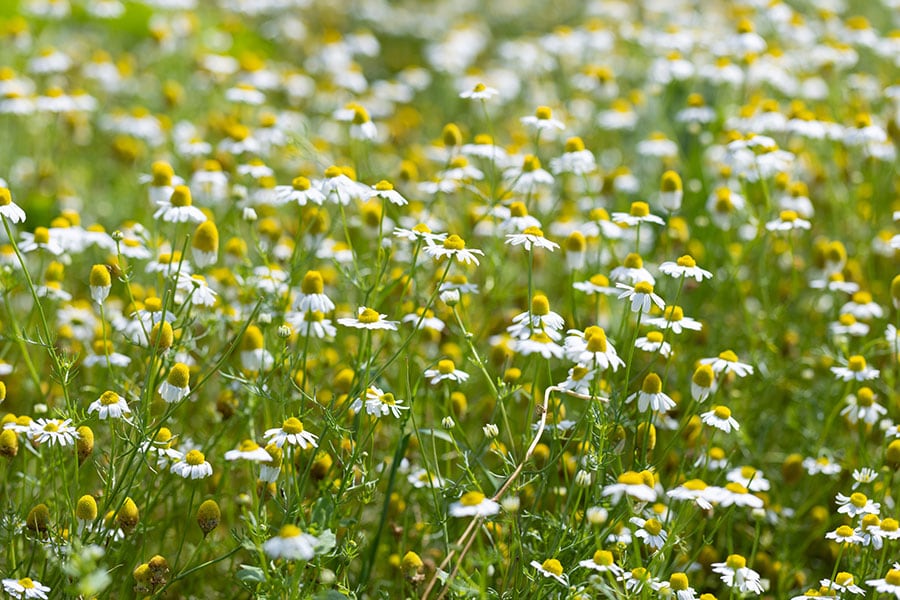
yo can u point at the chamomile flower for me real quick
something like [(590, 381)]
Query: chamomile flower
[(696, 491), (863, 475), (788, 220), (385, 190), (654, 342), (109, 405), (177, 384), (673, 318), (291, 544), (531, 237), (421, 478), (843, 583), (192, 466), (40, 239), (856, 370), (856, 504), (597, 284), (822, 464), (311, 324), (632, 271), (9, 209), (301, 191), (524, 178), (641, 296), (312, 296), (592, 347), (380, 403), (291, 433), (630, 483), (727, 362), (25, 588), (735, 574), (54, 432), (538, 343), (542, 120), (551, 568), (720, 418), (749, 477), (575, 160), (249, 450), (844, 535), (862, 307), (679, 586), (650, 531), (579, 379), (539, 319), (453, 247), (685, 267), (863, 407), (651, 396), (179, 208), (419, 233), (445, 371), (603, 562), (473, 504), (479, 92), (736, 494), (367, 318), (639, 213), (889, 584)]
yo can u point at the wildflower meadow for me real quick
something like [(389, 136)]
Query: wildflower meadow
[(450, 299)]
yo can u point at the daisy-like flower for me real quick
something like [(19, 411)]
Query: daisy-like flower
[(424, 319), (312, 296), (542, 120), (603, 562), (380, 403), (848, 325), (385, 190), (422, 478), (685, 267), (735, 574), (338, 187), (864, 475), (193, 466), (531, 237), (632, 271), (843, 582), (575, 160), (540, 318), (361, 125), (863, 407), (727, 362), (472, 504), (738, 495), (592, 348), (41, 239), (366, 318), (788, 220), (249, 450), (697, 491), (597, 284), (641, 296), (651, 396), (856, 504), (844, 535), (639, 213), (673, 318), (856, 370), (631, 483), (749, 477), (524, 178), (53, 432), (179, 208), (823, 465), (9, 209), (889, 584), (25, 588), (300, 191), (720, 418), (650, 531), (311, 324), (177, 384), (453, 247), (291, 433), (679, 586), (445, 371), (291, 544), (654, 342), (109, 405), (636, 580), (551, 568), (420, 233), (579, 379), (888, 528), (862, 307), (479, 92), (538, 343)]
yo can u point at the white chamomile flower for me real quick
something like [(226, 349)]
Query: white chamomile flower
[(479, 92), (531, 237), (179, 208), (651, 396), (445, 371), (551, 568), (472, 504), (685, 267), (542, 120), (641, 296), (720, 418), (856, 370), (291, 433), (368, 318), (291, 544), (249, 450), (453, 247), (109, 405), (727, 362), (192, 466), (9, 209)]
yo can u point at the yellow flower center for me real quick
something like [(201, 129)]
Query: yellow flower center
[(679, 582), (333, 171), (479, 87), (890, 524), (248, 446), (574, 144), (194, 458), (108, 398), (788, 216), (639, 209), (599, 280), (686, 261), (181, 196), (445, 366), (652, 526), (856, 363), (5, 197), (388, 399), (844, 579), (671, 182), (579, 372), (729, 356), (540, 305), (472, 498), (544, 113), (865, 396), (531, 163), (551, 565), (735, 562), (722, 412), (674, 313), (655, 337), (643, 287), (633, 261), (858, 500), (736, 488), (596, 339), (454, 242), (26, 583), (51, 426), (892, 577), (384, 186), (422, 228), (41, 235), (292, 425), (518, 209), (179, 376), (312, 283), (368, 316), (535, 231), (747, 472), (695, 485), (301, 184), (289, 531), (652, 384), (630, 478), (844, 531), (603, 557)]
